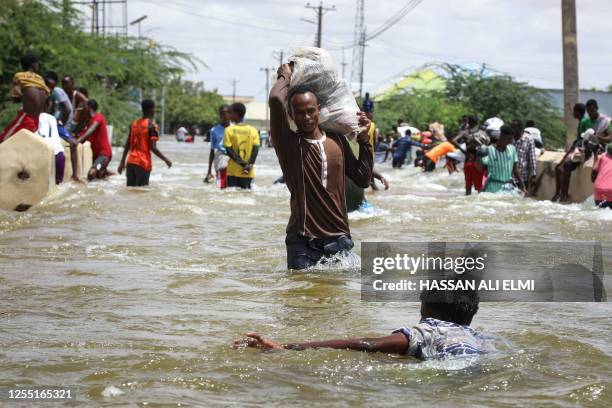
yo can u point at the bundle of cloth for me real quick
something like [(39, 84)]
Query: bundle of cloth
[(315, 68)]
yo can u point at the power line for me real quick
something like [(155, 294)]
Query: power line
[(193, 13), (395, 19), (320, 10)]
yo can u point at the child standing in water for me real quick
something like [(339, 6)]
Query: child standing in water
[(141, 141), (444, 330)]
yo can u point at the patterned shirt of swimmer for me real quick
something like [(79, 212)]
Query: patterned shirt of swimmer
[(433, 338)]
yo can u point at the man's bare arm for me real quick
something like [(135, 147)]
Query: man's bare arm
[(159, 154), (89, 132), (126, 149), (279, 122), (396, 343)]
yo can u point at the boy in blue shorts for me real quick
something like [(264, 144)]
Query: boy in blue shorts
[(444, 330)]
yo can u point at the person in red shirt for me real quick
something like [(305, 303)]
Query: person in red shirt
[(141, 141), (97, 135)]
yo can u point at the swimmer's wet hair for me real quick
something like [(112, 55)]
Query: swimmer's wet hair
[(457, 306)]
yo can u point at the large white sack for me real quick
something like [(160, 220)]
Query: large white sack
[(27, 171), (315, 68)]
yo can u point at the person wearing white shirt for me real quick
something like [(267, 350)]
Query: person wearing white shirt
[(47, 129)]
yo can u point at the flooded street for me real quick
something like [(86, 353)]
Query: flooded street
[(139, 293)]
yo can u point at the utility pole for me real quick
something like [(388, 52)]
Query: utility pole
[(356, 62), (138, 21), (163, 109), (571, 88), (104, 14), (362, 58), (344, 64), (234, 90), (320, 10), (267, 71)]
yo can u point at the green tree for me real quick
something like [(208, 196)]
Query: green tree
[(502, 96), (116, 70), (188, 103), (469, 92), (420, 109)]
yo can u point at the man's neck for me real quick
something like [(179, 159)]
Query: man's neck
[(501, 148), (314, 135), (225, 124)]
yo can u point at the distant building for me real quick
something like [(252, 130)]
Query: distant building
[(255, 110), (603, 98)]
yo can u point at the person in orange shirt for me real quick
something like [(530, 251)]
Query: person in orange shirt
[(433, 156), (142, 140)]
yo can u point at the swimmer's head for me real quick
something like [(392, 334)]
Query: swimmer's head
[(457, 306)]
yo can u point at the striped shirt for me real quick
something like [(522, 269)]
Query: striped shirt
[(499, 165), (525, 149), (433, 338)]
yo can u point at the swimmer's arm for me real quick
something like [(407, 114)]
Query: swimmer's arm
[(396, 343)]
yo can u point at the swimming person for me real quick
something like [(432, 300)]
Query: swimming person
[(501, 162), (314, 165), (444, 330), (241, 142), (141, 141)]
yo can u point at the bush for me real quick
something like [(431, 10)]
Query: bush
[(469, 92)]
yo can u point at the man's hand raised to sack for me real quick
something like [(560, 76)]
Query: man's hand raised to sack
[(364, 125)]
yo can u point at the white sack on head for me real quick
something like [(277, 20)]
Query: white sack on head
[(315, 68)]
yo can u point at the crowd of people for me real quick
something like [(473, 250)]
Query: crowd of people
[(495, 157), (57, 113), (498, 157)]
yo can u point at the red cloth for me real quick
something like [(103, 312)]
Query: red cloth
[(222, 178), (22, 121), (100, 145), (474, 173), (142, 132)]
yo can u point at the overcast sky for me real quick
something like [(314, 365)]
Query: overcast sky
[(520, 37)]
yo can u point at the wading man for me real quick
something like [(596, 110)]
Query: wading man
[(30, 89), (314, 165)]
